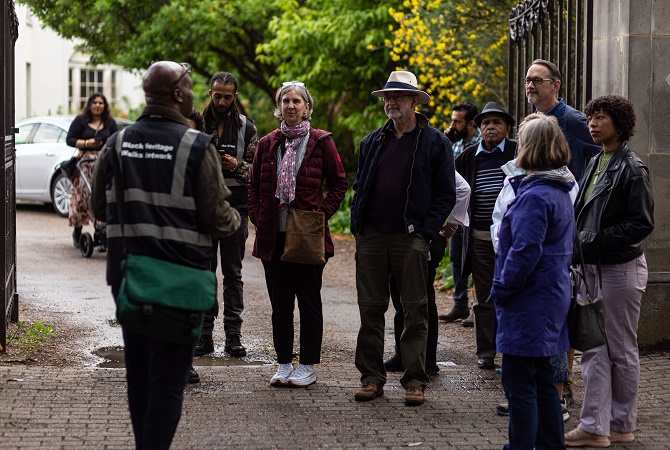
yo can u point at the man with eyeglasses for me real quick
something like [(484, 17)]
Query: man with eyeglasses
[(404, 191), (542, 83), (175, 202), (235, 138)]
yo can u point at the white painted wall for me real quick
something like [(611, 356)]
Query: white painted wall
[(42, 62)]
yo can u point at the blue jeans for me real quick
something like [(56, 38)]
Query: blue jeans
[(535, 415), (157, 373)]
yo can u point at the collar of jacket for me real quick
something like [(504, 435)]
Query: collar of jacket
[(163, 112), (421, 123), (315, 135)]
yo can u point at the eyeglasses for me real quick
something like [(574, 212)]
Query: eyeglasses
[(535, 81), (292, 83), (187, 69), (394, 97)]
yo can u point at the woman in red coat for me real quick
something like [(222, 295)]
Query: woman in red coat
[(288, 172)]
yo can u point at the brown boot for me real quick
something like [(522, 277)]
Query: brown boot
[(368, 391), (414, 396)]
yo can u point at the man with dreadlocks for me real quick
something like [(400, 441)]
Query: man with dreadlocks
[(235, 138)]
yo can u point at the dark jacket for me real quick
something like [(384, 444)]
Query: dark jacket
[(238, 179), (582, 147), (431, 193), (531, 286), (467, 165), (321, 162), (175, 197), (619, 214)]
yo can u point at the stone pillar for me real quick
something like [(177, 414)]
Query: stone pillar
[(631, 58)]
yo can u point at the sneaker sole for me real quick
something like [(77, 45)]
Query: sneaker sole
[(300, 385), (278, 383)]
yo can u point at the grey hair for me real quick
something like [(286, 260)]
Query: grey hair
[(302, 91)]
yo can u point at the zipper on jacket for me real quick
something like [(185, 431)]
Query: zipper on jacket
[(409, 183)]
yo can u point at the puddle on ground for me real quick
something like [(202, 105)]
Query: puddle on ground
[(113, 358)]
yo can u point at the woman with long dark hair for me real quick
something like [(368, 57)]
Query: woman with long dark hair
[(88, 132)]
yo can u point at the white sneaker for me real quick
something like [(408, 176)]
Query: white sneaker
[(281, 377), (303, 376)]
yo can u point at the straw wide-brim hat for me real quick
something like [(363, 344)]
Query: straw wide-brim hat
[(402, 80)]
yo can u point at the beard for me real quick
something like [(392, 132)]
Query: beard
[(456, 135), (220, 115)]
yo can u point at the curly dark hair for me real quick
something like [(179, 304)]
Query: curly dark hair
[(620, 109)]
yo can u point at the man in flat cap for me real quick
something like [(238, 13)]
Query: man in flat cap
[(404, 191)]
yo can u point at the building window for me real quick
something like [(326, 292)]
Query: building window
[(113, 86), (85, 81), (90, 83)]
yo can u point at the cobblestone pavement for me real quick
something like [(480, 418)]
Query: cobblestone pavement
[(234, 407), (82, 406)]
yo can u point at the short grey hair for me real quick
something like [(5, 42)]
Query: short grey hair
[(302, 90)]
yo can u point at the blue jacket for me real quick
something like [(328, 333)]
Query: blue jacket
[(431, 193), (531, 286)]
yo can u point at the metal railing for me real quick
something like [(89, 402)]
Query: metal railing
[(560, 31), (9, 298)]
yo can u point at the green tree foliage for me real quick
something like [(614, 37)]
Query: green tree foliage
[(457, 49), (336, 47), (341, 49)]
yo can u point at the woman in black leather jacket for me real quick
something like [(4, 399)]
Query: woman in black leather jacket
[(614, 213)]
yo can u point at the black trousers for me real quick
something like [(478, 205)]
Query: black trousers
[(285, 282), (437, 248)]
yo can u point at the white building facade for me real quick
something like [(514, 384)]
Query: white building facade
[(52, 78)]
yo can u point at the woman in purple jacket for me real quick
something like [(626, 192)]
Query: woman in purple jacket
[(289, 170), (531, 287)]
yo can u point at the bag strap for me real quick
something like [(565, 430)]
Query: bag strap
[(118, 179), (580, 272)]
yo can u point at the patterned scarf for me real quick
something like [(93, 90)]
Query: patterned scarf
[(286, 179)]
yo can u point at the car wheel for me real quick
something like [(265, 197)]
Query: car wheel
[(61, 191), (86, 245)]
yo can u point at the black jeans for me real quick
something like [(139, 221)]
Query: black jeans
[(436, 248), (231, 249), (483, 267), (286, 281), (456, 257), (157, 372)]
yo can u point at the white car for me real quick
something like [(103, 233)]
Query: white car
[(40, 149)]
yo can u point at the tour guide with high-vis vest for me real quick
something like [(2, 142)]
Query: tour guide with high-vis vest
[(168, 170)]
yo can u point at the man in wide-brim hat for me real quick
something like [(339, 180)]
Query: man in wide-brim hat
[(404, 191)]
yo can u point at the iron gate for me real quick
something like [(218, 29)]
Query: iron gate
[(9, 298), (560, 31)]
